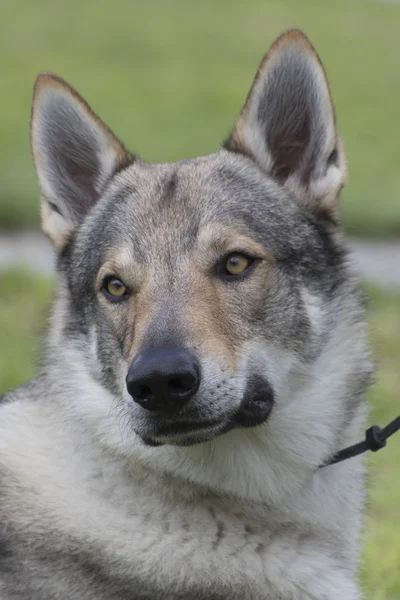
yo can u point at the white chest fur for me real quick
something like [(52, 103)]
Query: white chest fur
[(166, 534)]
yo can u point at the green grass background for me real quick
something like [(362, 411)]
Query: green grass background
[(169, 76), (23, 316)]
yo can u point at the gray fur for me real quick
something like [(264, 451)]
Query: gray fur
[(100, 499)]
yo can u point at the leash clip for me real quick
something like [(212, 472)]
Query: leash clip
[(374, 439)]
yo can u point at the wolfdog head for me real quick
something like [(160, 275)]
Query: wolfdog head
[(209, 299)]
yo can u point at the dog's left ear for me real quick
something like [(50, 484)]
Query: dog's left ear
[(287, 124)]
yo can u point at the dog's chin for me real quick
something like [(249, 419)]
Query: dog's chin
[(252, 413)]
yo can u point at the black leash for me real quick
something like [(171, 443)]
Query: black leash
[(375, 439)]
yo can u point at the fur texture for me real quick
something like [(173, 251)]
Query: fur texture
[(103, 499)]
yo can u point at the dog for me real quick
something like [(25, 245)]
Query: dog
[(207, 353)]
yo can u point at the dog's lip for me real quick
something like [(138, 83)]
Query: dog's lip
[(183, 433), (178, 428)]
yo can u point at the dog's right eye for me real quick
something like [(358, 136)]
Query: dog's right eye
[(114, 289)]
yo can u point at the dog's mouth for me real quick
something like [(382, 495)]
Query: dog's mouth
[(186, 432)]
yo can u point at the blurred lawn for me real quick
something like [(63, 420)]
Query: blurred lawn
[(23, 308), (169, 76), (24, 301), (381, 567)]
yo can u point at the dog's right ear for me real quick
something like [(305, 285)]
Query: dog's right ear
[(75, 154)]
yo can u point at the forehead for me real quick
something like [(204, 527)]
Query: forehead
[(156, 206)]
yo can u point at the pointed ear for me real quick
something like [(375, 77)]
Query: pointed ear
[(287, 124), (74, 153)]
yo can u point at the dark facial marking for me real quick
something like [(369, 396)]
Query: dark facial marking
[(257, 403), (220, 534), (170, 188)]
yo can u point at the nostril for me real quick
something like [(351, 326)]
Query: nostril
[(180, 385), (143, 392)]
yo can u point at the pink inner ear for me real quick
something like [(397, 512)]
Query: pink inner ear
[(289, 108), (288, 155)]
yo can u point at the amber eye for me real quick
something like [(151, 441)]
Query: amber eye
[(236, 264), (114, 289)]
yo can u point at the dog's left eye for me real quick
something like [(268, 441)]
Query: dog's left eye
[(236, 264), (114, 289)]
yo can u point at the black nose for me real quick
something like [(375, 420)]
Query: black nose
[(163, 379)]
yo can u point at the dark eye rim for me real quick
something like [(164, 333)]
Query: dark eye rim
[(106, 293), (222, 273)]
